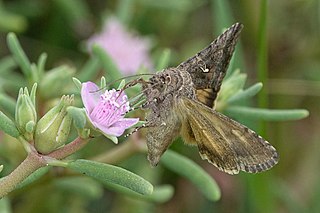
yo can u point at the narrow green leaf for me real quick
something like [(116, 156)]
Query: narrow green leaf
[(160, 194), (164, 59), (245, 94), (8, 104), (18, 54), (103, 82), (190, 170), (124, 10), (8, 126), (89, 69), (122, 84), (112, 176), (7, 64), (41, 64), (5, 205), (1, 168), (78, 116), (84, 186), (77, 82), (33, 93), (33, 177), (268, 114), (110, 68), (232, 85)]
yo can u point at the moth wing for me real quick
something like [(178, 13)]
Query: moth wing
[(208, 67), (161, 135), (227, 144)]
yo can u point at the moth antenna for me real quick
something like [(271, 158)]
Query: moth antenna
[(119, 79)]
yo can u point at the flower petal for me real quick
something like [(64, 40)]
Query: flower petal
[(118, 128), (90, 95)]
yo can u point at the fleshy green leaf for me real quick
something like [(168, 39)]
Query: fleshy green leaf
[(77, 82), (103, 82), (121, 85), (18, 54), (164, 59), (41, 64), (7, 64), (244, 94), (34, 176), (232, 85), (8, 104), (89, 69), (8, 126), (115, 177), (33, 93), (5, 205), (78, 116), (268, 114), (110, 68), (85, 186), (190, 170)]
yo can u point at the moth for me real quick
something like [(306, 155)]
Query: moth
[(180, 101)]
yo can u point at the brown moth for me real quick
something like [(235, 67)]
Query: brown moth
[(180, 101)]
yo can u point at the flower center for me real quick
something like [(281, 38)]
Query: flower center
[(113, 105)]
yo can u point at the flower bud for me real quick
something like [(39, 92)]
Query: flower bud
[(53, 128), (26, 116)]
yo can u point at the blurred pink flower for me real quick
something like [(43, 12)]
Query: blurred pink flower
[(106, 110), (128, 50)]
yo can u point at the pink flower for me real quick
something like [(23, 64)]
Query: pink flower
[(106, 110), (128, 51)]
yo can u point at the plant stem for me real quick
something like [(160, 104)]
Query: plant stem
[(69, 149), (263, 61), (33, 162)]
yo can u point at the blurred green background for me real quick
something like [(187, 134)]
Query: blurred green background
[(286, 60)]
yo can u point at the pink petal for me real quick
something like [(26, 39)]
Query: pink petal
[(90, 95), (118, 128)]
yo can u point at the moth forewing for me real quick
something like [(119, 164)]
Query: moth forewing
[(227, 144), (209, 66)]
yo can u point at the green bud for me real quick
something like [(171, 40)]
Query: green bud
[(26, 116), (53, 128)]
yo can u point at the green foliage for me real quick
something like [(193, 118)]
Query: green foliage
[(268, 114), (8, 126), (112, 71), (115, 177), (188, 169), (164, 60), (294, 57), (19, 55)]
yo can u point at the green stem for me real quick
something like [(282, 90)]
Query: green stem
[(33, 162), (69, 149), (263, 60)]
